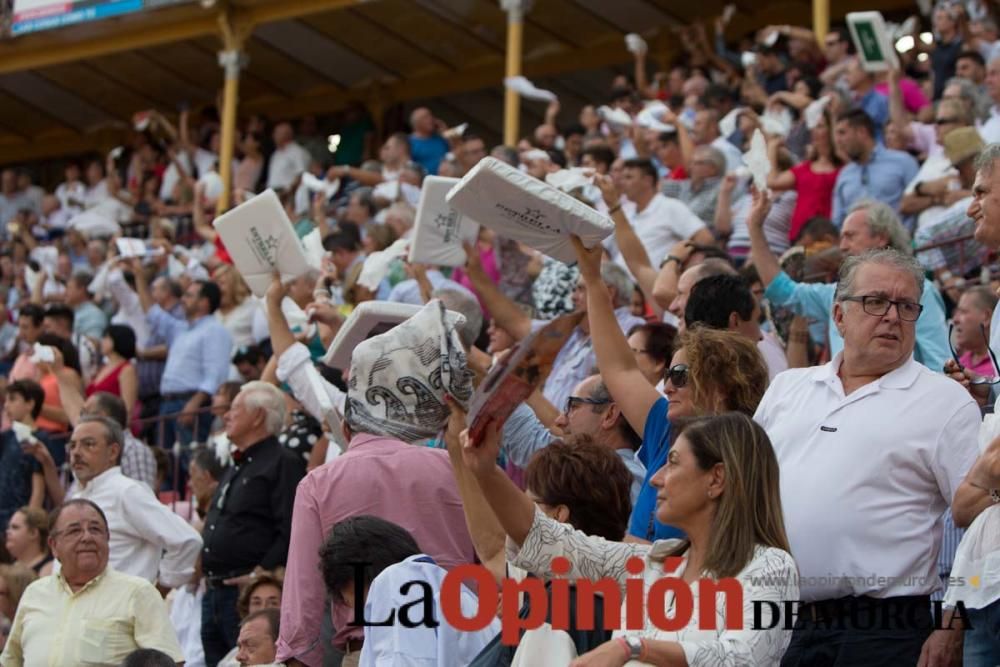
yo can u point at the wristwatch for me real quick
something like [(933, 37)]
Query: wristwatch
[(635, 646), (671, 258)]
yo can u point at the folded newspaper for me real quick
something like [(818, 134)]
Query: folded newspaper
[(260, 239), (521, 207), (439, 229), (512, 381)]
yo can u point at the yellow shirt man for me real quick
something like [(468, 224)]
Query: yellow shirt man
[(111, 616)]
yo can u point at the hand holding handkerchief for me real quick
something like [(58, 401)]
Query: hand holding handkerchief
[(260, 239)]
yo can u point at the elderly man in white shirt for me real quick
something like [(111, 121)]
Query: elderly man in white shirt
[(147, 539), (872, 447)]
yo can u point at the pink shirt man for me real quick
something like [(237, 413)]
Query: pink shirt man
[(410, 485)]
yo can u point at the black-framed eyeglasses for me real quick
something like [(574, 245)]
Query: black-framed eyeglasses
[(678, 375), (574, 402), (993, 358), (945, 121), (878, 306)]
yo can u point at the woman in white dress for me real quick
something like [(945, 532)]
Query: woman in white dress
[(720, 486)]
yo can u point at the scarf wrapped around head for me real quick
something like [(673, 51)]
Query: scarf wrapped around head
[(399, 379)]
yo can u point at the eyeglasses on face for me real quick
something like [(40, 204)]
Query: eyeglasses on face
[(75, 531), (878, 306), (945, 121), (993, 358), (678, 375), (574, 402)]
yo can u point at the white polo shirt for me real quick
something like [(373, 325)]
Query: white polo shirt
[(663, 223), (866, 478)]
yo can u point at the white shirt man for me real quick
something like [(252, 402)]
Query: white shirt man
[(147, 539), (662, 224), (286, 164), (872, 447)]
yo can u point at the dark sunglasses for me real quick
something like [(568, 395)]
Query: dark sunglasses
[(954, 355), (678, 375), (574, 402)]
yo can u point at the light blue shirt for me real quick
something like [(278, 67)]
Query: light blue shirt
[(576, 360), (524, 435), (198, 352), (876, 105), (815, 301), (884, 178), (89, 321)]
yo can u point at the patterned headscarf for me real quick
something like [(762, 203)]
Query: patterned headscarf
[(399, 379)]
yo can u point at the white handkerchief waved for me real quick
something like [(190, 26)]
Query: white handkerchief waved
[(376, 265), (260, 239), (528, 90), (756, 160), (523, 208)]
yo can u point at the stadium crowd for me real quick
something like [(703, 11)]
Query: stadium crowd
[(791, 387)]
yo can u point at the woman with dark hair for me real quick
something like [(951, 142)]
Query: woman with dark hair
[(53, 418), (653, 345), (813, 178), (117, 375)]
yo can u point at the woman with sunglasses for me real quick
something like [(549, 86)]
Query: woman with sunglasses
[(711, 372)]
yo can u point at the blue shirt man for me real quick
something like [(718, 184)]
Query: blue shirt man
[(427, 147), (199, 350), (883, 176)]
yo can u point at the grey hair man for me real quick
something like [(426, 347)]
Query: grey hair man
[(981, 488), (148, 540), (462, 302), (249, 521), (870, 403), (700, 192), (869, 225)]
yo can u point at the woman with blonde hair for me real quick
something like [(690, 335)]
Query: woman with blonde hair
[(236, 309), (27, 539), (720, 486)]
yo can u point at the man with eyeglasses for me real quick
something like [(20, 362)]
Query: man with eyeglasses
[(937, 185), (872, 447), (590, 410), (869, 225), (148, 540), (87, 613)]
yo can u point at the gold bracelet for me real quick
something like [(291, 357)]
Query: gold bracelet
[(612, 211)]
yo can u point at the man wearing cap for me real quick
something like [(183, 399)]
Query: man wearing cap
[(380, 473), (953, 261)]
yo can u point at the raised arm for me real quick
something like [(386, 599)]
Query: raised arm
[(776, 180), (628, 386), (765, 261), (487, 534), (683, 136), (634, 253), (141, 286), (973, 495), (282, 337), (665, 287), (513, 510), (506, 313)]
